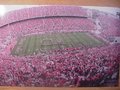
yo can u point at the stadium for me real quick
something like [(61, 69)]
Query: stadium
[(59, 46)]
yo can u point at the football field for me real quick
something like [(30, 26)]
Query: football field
[(41, 43)]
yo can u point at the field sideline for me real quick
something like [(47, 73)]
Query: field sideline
[(34, 44)]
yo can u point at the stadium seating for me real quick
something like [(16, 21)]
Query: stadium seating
[(110, 26), (43, 11)]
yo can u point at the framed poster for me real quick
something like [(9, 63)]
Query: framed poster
[(59, 46)]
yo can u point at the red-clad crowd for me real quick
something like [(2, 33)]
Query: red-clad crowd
[(56, 24), (67, 67), (41, 11), (109, 26)]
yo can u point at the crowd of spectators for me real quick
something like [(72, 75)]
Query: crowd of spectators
[(67, 67), (41, 11), (109, 26)]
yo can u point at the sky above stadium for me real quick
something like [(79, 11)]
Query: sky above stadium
[(111, 10), (7, 8)]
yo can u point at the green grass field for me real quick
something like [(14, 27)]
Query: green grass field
[(41, 43)]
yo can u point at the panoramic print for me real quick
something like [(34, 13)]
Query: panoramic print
[(59, 46)]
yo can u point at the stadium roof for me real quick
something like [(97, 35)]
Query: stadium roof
[(7, 8)]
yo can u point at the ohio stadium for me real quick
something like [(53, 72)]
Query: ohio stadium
[(59, 46)]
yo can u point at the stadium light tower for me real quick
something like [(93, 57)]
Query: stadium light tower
[(118, 13), (2, 10)]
